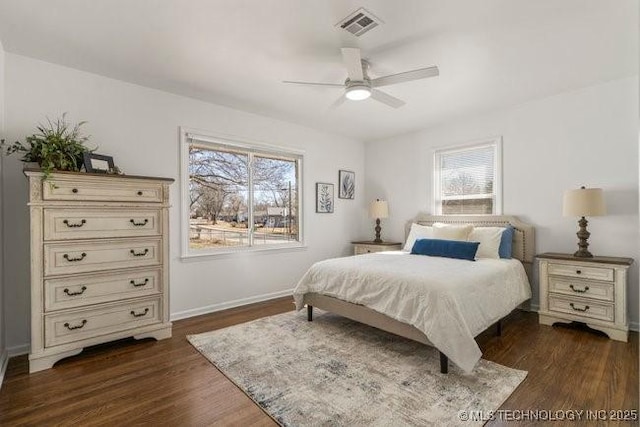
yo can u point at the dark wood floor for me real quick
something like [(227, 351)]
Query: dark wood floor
[(170, 383)]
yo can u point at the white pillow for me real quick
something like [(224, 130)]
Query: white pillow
[(417, 232), (451, 232), (489, 238)]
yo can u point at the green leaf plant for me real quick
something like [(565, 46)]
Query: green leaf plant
[(57, 145)]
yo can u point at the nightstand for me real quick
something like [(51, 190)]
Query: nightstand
[(587, 290), (360, 248)]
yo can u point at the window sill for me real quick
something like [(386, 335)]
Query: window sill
[(241, 252)]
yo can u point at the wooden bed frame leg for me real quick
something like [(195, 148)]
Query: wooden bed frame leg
[(444, 363), (499, 328), (309, 312)]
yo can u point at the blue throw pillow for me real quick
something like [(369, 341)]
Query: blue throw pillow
[(506, 243), (446, 248)]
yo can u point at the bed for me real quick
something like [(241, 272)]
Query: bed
[(440, 302)]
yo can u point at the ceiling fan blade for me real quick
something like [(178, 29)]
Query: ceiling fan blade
[(314, 84), (353, 61), (338, 102), (407, 76), (389, 100)]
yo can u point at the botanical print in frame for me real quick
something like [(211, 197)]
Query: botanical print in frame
[(324, 197), (346, 185)]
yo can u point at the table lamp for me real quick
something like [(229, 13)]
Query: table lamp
[(378, 210), (583, 202)]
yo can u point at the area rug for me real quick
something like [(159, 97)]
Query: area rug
[(337, 372)]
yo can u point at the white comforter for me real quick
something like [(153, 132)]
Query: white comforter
[(449, 300)]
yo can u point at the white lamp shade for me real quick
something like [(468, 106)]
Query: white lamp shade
[(584, 202), (379, 209)]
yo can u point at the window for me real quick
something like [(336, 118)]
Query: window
[(467, 180), (239, 196)]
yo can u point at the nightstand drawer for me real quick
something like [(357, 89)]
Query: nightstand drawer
[(582, 308), (583, 288), (364, 247), (359, 250), (593, 273)]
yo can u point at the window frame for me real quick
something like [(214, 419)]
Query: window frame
[(219, 141), (496, 143)]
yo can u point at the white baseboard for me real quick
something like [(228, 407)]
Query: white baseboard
[(18, 350), (229, 304), (4, 361)]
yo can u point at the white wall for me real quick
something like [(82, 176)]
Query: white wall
[(2, 206), (586, 137), (139, 128)]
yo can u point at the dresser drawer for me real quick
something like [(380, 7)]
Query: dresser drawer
[(96, 190), (584, 288), (61, 224), (88, 289), (94, 255), (593, 273), (583, 308), (66, 327)]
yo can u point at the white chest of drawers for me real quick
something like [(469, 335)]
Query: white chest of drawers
[(587, 290), (99, 262)]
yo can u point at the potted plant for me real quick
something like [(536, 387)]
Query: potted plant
[(56, 146)]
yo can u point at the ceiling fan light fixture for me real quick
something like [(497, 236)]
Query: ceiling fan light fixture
[(358, 92)]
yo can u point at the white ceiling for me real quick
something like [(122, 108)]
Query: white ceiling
[(491, 53)]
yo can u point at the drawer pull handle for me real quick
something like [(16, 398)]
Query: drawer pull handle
[(73, 294), (586, 307), (144, 313), (80, 258), (74, 224), (578, 271), (139, 193), (80, 326), (74, 190), (580, 291), (139, 224), (137, 285), (143, 253)]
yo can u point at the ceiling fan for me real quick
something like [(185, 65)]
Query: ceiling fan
[(359, 86)]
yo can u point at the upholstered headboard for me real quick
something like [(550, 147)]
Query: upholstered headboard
[(523, 236)]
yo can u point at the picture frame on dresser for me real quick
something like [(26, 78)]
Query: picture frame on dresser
[(99, 261), (97, 163)]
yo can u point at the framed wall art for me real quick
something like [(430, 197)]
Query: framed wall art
[(324, 197), (346, 184)]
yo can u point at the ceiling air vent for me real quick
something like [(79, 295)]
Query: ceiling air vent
[(359, 22)]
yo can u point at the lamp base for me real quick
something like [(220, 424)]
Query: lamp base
[(583, 236), (583, 254), (378, 230)]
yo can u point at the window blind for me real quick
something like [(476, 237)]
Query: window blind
[(468, 173), (466, 180)]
